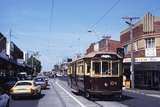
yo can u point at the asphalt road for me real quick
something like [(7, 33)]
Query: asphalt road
[(58, 94)]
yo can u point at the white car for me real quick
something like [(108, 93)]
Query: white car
[(25, 88)]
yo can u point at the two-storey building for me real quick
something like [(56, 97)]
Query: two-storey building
[(146, 52), (104, 45)]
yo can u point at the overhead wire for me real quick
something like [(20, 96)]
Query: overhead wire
[(107, 12)]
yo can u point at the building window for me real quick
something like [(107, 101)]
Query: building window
[(150, 43), (135, 46), (125, 49)]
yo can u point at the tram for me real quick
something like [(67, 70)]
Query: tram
[(98, 73)]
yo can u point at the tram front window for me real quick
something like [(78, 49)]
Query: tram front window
[(88, 68), (97, 67), (115, 68), (105, 68)]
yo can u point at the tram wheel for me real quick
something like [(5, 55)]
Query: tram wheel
[(119, 97), (88, 95)]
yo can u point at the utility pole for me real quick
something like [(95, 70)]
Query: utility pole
[(130, 23), (10, 34)]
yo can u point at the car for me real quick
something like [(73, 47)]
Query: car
[(29, 77), (41, 81), (4, 98), (25, 88), (22, 75)]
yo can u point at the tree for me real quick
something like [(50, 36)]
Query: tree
[(35, 64)]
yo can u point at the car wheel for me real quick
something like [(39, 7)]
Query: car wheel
[(88, 95)]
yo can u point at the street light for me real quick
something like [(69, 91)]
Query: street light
[(130, 23), (104, 36)]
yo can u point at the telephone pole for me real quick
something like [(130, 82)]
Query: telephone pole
[(129, 21), (9, 51)]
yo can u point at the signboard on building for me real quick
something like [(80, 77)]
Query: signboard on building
[(20, 61), (143, 59), (150, 52)]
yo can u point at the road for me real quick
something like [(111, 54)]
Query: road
[(58, 94)]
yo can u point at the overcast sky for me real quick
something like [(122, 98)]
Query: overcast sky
[(58, 28)]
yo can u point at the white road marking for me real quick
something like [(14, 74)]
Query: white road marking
[(153, 95), (82, 105)]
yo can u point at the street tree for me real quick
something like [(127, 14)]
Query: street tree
[(35, 64)]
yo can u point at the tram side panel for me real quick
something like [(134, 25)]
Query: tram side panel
[(103, 85), (74, 79), (80, 82)]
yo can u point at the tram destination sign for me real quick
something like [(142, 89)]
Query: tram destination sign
[(105, 56)]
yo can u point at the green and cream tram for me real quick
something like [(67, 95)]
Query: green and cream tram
[(98, 73)]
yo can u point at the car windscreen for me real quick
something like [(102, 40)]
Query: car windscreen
[(23, 83), (39, 79)]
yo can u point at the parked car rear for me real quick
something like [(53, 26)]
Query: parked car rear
[(41, 81)]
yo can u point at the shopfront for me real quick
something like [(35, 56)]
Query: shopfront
[(147, 74)]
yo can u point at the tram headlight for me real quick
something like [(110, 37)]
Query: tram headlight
[(105, 84), (113, 83)]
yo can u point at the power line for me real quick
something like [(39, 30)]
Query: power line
[(107, 12)]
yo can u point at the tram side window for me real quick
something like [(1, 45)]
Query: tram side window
[(88, 68), (97, 67), (115, 68), (105, 68)]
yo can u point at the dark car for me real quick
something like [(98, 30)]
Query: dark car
[(4, 98), (41, 81)]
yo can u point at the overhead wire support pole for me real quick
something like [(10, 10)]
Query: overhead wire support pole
[(130, 23), (10, 35)]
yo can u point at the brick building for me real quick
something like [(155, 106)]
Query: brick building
[(90, 48), (104, 45), (146, 52), (2, 43)]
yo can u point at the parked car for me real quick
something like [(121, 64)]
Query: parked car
[(25, 88), (22, 75), (41, 81), (4, 98), (29, 77)]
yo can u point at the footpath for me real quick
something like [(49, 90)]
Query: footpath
[(152, 93)]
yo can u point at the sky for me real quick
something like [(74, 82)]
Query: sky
[(58, 29)]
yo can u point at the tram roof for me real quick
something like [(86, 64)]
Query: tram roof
[(94, 54)]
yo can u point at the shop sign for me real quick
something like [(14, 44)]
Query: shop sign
[(150, 52), (143, 59)]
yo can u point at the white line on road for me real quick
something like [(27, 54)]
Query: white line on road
[(153, 95), (82, 105)]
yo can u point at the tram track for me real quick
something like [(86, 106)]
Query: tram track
[(94, 102), (59, 96)]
